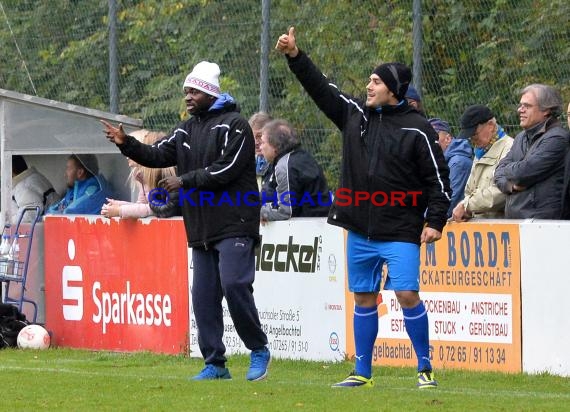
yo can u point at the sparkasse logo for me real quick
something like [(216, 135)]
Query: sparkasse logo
[(130, 308), (72, 292), (113, 307)]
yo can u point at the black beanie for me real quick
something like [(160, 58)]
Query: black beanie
[(396, 76)]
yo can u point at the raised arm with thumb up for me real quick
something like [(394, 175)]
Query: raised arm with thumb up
[(287, 44)]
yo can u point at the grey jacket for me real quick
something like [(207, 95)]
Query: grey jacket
[(294, 186), (535, 162)]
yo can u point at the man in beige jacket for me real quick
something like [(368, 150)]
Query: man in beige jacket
[(483, 199)]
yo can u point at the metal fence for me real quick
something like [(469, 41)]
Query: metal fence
[(462, 52)]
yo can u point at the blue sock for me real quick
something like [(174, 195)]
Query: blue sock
[(417, 326), (365, 333)]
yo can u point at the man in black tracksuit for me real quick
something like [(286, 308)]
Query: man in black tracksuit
[(394, 195), (214, 153)]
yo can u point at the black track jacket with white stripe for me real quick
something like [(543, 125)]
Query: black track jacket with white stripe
[(295, 186), (394, 178), (215, 155)]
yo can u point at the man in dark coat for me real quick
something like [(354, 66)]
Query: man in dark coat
[(214, 155), (394, 195)]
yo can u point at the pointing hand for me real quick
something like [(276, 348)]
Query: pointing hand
[(114, 134)]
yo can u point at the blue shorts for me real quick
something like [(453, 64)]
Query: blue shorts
[(366, 257)]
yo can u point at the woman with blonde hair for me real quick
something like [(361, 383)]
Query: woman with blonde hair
[(143, 178)]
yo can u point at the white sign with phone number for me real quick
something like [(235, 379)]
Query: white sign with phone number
[(299, 291)]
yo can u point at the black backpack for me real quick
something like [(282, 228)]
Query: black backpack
[(12, 321)]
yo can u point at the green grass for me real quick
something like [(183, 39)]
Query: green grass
[(76, 380)]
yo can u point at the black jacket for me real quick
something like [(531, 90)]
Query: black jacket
[(536, 162), (392, 156), (215, 155), (169, 207), (297, 183), (566, 189)]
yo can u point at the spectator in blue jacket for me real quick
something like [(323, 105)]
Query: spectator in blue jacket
[(87, 190), (459, 156)]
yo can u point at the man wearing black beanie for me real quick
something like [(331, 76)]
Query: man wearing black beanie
[(396, 172), (396, 76)]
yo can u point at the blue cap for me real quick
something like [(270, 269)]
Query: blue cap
[(440, 125), (413, 94)]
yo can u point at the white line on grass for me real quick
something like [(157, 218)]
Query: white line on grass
[(86, 373)]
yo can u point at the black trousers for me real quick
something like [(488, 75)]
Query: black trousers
[(226, 269)]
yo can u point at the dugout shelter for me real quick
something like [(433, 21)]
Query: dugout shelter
[(46, 132)]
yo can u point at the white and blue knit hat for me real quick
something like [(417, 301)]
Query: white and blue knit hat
[(204, 77)]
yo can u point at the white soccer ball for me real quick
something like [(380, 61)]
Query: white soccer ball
[(33, 337)]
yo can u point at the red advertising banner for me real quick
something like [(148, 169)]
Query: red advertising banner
[(116, 284)]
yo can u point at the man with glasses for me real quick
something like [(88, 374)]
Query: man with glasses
[(532, 174), (257, 121), (482, 198)]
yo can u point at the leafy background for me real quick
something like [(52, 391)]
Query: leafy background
[(477, 51)]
